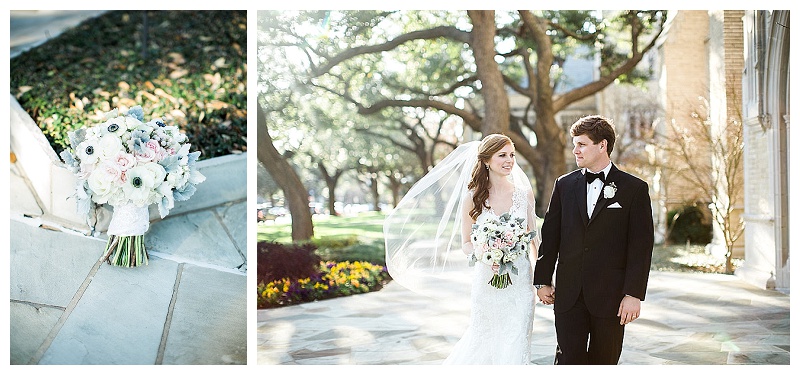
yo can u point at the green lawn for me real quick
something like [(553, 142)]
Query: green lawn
[(368, 227)]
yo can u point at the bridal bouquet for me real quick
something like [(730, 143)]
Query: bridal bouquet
[(500, 242), (129, 164)]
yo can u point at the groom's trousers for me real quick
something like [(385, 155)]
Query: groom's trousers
[(584, 339)]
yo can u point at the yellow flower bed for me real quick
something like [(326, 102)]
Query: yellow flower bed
[(334, 280)]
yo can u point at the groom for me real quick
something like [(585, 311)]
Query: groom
[(599, 229)]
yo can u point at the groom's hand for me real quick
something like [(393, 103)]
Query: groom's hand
[(629, 309), (547, 294)]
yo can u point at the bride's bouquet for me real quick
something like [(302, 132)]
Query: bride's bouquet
[(499, 242), (129, 164)]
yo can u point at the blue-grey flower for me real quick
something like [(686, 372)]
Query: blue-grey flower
[(136, 112), (77, 136), (170, 163), (69, 159), (138, 139), (184, 193)]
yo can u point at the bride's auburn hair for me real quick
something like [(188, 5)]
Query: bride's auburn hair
[(479, 183)]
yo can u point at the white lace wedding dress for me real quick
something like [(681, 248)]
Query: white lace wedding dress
[(501, 320)]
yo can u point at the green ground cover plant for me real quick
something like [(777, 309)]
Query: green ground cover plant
[(189, 67)]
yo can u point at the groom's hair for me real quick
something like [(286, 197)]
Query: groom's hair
[(597, 128)]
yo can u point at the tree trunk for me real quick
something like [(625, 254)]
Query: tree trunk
[(376, 198), (551, 143), (493, 91), (394, 186), (293, 189), (331, 181)]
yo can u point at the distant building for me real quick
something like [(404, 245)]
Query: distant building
[(765, 94), (739, 62)]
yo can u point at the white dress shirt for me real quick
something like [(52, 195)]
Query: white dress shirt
[(594, 190)]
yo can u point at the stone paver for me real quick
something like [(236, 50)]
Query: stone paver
[(49, 266), (111, 312), (199, 236), (69, 308), (27, 338), (25, 202), (210, 319), (687, 319)]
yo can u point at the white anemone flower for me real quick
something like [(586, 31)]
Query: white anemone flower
[(140, 182), (88, 151), (116, 126), (486, 258)]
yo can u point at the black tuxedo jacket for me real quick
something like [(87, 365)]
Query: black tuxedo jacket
[(607, 256)]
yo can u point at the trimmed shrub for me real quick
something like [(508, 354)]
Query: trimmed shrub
[(690, 222), (291, 261)]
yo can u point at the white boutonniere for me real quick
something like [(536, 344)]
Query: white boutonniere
[(609, 191)]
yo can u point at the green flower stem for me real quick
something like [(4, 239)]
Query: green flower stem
[(126, 251), (500, 281)]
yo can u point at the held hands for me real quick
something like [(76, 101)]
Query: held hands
[(547, 294), (629, 309)]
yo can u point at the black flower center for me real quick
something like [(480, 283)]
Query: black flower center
[(112, 128), (161, 124), (89, 150), (137, 182)]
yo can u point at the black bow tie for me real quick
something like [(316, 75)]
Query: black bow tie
[(590, 177)]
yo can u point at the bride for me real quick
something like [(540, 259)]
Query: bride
[(484, 183)]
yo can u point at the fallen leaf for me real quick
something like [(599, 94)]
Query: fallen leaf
[(177, 58), (149, 96), (216, 105), (178, 73), (164, 95)]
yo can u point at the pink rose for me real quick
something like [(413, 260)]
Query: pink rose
[(124, 161), (151, 151), (112, 171)]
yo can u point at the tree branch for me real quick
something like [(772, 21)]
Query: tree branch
[(581, 92), (449, 32)]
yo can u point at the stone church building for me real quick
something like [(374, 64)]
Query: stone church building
[(738, 61)]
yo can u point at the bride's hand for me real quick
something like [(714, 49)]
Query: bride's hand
[(467, 248), (495, 267)]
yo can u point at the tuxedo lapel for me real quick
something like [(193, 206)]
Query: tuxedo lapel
[(580, 197), (602, 202)]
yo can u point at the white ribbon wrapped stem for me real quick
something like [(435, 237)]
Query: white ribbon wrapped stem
[(129, 220)]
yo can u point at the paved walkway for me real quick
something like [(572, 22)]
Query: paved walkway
[(29, 28), (691, 319), (187, 306)]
